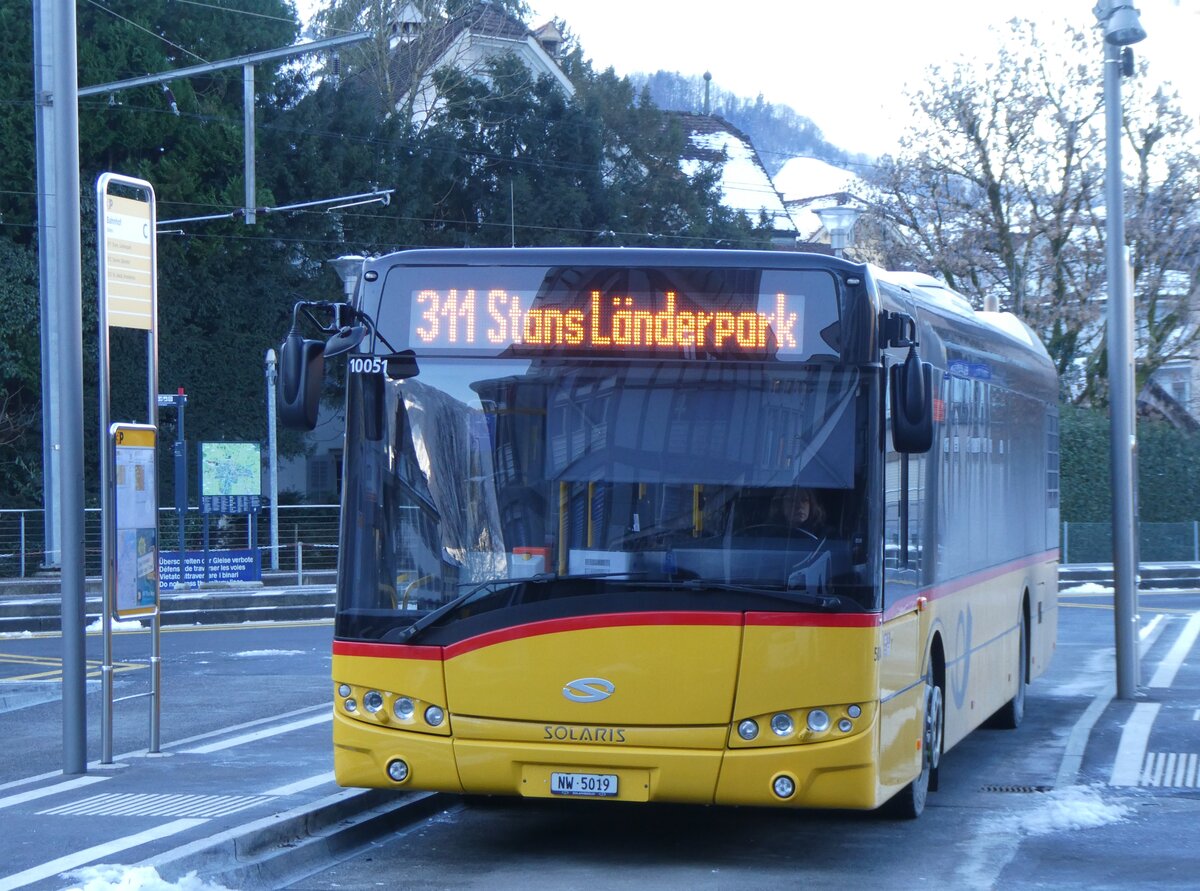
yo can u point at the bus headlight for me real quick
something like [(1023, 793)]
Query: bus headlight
[(373, 701), (802, 725), (434, 716), (818, 720), (344, 690), (404, 708), (782, 724)]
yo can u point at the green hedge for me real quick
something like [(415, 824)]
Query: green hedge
[(1168, 469)]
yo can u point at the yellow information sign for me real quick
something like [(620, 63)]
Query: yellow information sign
[(128, 270), (136, 520)]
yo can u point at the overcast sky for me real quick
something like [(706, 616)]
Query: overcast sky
[(845, 64)]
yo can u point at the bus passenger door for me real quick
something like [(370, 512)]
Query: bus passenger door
[(901, 646)]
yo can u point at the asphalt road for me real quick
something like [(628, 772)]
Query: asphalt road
[(1089, 793), (212, 677), (1015, 809)]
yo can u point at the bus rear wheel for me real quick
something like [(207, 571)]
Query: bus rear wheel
[(1012, 713), (910, 802)]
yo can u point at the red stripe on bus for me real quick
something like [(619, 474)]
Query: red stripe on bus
[(815, 620), (953, 586), (583, 623), (385, 650)]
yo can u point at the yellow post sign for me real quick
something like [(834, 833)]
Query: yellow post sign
[(136, 521), (128, 266)]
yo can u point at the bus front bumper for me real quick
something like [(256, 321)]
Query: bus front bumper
[(835, 774)]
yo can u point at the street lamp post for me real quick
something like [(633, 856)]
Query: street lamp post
[(1119, 19), (348, 268), (839, 221)]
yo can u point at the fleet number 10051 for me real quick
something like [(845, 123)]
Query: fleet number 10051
[(366, 365)]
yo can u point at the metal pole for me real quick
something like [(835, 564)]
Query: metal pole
[(45, 115), (273, 449), (156, 680), (1121, 385), (248, 139), (22, 544), (57, 100)]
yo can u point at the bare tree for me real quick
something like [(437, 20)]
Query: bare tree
[(998, 188)]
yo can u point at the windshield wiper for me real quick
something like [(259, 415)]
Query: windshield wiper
[(791, 595), (491, 586)]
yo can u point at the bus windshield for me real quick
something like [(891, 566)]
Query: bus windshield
[(554, 487)]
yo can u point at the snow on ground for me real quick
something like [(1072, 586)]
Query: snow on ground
[(135, 878), (997, 839), (117, 625), (1069, 809), (1086, 588)]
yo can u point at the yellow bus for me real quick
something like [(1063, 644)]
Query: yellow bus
[(722, 527)]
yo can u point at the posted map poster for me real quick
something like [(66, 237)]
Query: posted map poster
[(136, 521), (230, 477)]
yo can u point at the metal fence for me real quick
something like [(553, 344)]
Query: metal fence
[(307, 537), (1157, 542)]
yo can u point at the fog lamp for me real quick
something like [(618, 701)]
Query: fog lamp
[(784, 787), (397, 770)]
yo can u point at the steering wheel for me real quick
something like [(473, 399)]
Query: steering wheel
[(778, 530)]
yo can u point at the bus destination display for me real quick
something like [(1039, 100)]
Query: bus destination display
[(493, 320)]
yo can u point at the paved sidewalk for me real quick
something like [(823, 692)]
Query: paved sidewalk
[(252, 805)]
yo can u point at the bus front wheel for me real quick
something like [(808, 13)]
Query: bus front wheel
[(910, 802)]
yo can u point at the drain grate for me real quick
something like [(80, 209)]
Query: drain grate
[(145, 805), (1017, 789)]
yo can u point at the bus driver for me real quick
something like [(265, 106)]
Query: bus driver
[(800, 509)]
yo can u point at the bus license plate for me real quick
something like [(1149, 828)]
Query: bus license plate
[(599, 785)]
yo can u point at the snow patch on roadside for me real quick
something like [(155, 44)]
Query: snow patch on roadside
[(135, 878), (997, 840)]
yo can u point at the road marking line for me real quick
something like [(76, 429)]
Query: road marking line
[(1068, 770), (1131, 753), (1164, 676), (258, 722), (257, 735), (302, 785), (1171, 769), (87, 855), (35, 794)]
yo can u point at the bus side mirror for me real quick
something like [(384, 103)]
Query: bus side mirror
[(301, 373), (912, 404)]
